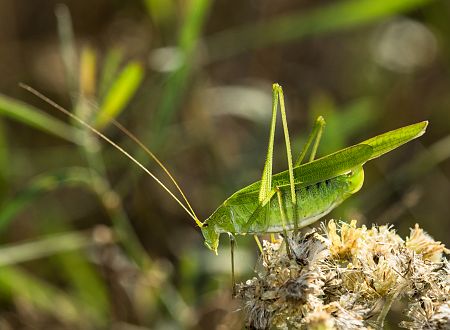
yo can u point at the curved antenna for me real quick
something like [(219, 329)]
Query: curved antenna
[(133, 137), (153, 156), (115, 145)]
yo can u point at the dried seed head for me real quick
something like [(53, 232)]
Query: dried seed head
[(422, 243), (345, 244), (346, 277), (320, 320)]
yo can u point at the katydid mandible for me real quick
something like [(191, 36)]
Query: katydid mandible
[(289, 200)]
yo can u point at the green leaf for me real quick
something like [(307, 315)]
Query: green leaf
[(33, 117), (120, 93), (338, 15)]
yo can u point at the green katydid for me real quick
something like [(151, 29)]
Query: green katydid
[(288, 200), (302, 194)]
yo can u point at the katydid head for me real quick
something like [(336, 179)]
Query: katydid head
[(211, 236), (218, 222)]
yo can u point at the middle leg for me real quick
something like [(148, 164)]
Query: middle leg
[(283, 222)]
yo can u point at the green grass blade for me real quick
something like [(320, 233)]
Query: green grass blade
[(356, 116), (110, 68), (17, 284), (189, 35), (120, 93), (332, 165), (87, 76), (161, 11), (6, 170), (337, 16), (44, 247), (39, 186), (86, 283), (31, 116), (388, 141), (67, 46)]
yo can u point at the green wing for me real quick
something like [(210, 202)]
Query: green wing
[(346, 159), (320, 169), (332, 165), (388, 141)]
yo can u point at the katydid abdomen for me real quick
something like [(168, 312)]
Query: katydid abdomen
[(314, 201)]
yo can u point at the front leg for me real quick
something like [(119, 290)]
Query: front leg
[(266, 203), (233, 279), (256, 213)]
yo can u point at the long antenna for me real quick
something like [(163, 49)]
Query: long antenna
[(115, 145), (153, 156), (133, 137)]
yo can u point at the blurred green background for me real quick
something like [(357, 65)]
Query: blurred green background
[(88, 241)]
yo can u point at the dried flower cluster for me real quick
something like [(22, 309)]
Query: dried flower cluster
[(348, 278)]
